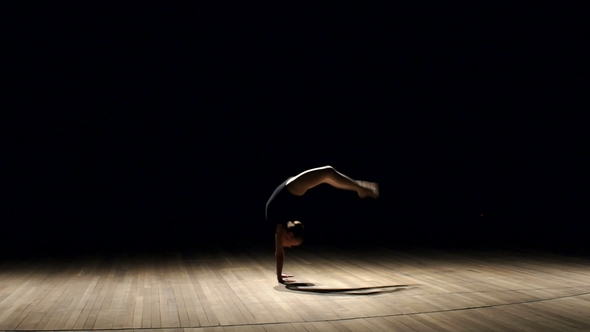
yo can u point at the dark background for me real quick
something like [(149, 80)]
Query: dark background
[(168, 127)]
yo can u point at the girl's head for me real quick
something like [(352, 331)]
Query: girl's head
[(294, 234)]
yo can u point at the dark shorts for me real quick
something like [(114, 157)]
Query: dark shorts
[(282, 206)]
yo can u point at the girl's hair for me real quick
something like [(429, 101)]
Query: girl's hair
[(297, 230)]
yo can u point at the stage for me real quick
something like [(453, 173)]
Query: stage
[(338, 289)]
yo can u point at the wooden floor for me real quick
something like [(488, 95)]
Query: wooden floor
[(354, 290)]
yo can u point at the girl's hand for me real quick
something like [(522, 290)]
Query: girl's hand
[(286, 281)]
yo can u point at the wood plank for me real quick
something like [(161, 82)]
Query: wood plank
[(385, 324), (286, 327), (567, 311), (508, 314), (548, 323), (416, 325), (85, 288), (19, 306), (323, 326), (38, 317), (432, 322), (355, 325)]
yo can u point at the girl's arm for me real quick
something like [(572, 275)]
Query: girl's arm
[(279, 253)]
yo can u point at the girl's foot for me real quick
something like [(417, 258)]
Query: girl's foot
[(369, 189)]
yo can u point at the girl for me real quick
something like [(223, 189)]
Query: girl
[(281, 207)]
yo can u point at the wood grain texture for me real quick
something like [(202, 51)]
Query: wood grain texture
[(226, 289)]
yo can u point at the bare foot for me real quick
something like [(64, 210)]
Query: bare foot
[(369, 189)]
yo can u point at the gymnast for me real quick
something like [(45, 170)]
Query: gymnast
[(281, 207)]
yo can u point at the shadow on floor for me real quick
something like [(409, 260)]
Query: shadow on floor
[(374, 290)]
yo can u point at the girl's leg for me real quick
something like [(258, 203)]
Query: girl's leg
[(327, 174)]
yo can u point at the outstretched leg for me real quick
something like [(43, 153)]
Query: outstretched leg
[(327, 174)]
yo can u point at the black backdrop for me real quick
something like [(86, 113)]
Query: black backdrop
[(149, 128)]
